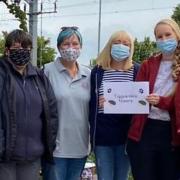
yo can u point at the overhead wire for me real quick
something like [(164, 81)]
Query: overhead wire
[(109, 12), (96, 13), (93, 13), (93, 2)]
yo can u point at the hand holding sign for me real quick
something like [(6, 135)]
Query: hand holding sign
[(101, 101), (153, 99)]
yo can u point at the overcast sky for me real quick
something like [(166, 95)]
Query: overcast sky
[(138, 17)]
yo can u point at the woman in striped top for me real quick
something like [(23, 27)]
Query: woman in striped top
[(109, 131)]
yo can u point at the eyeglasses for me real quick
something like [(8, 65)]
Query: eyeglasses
[(75, 28)]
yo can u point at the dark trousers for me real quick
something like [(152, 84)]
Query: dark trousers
[(153, 158), (177, 161), (20, 170)]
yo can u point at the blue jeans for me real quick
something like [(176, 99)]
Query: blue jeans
[(64, 169), (112, 162)]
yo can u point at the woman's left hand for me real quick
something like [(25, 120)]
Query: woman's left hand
[(101, 101), (153, 99)]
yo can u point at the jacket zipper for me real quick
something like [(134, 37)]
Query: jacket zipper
[(95, 116), (26, 143)]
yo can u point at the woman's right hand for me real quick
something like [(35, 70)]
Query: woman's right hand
[(101, 101)]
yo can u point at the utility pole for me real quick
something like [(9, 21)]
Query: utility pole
[(99, 27), (33, 25), (33, 20)]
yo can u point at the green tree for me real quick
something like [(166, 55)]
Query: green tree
[(92, 62), (176, 14), (45, 53), (1, 45), (2, 42), (18, 13), (144, 49)]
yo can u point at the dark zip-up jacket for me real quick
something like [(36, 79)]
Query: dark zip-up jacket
[(96, 79), (47, 122)]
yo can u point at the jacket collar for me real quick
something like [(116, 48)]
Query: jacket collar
[(61, 68), (30, 70)]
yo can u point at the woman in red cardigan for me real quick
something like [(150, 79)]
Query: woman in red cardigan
[(177, 115), (151, 136)]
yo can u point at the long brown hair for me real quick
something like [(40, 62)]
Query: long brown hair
[(176, 63)]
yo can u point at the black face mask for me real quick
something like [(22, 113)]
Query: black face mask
[(20, 57)]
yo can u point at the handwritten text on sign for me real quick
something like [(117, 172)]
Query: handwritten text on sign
[(126, 97)]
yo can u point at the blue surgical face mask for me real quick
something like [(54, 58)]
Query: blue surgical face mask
[(167, 46), (120, 52)]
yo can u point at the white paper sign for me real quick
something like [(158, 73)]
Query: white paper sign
[(126, 97)]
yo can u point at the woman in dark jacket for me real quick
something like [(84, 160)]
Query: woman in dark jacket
[(28, 112), (109, 131)]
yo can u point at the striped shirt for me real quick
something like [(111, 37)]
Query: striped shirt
[(115, 76)]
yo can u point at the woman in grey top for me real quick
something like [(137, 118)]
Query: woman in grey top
[(71, 84)]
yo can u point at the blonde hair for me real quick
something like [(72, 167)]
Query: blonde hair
[(104, 59), (172, 24), (176, 30), (176, 63)]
